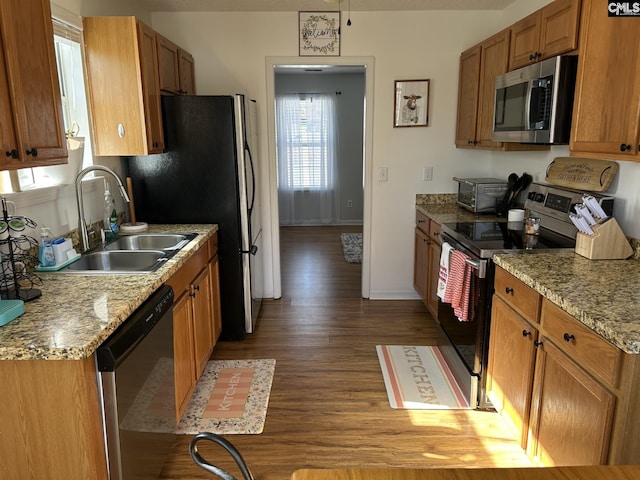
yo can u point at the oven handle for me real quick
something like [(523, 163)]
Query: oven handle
[(480, 265)]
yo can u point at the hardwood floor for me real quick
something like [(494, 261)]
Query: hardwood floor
[(328, 406)]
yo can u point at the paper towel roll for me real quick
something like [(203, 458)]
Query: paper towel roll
[(515, 215)]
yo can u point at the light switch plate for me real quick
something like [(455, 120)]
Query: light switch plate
[(383, 174), (427, 173)]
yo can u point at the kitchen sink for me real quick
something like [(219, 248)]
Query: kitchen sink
[(151, 241), (141, 253), (118, 261)]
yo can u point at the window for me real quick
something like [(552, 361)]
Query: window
[(305, 146), (306, 153), (67, 42)]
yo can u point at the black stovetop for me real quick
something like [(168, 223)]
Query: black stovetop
[(488, 237)]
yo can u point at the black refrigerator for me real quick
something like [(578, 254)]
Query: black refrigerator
[(208, 174)]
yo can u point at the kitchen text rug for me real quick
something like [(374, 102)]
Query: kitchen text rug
[(231, 397), (417, 378), (352, 247)]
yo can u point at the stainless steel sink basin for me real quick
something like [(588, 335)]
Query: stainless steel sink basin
[(141, 253), (118, 261), (150, 241)]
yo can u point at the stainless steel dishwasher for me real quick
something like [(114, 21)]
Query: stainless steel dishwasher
[(135, 370)]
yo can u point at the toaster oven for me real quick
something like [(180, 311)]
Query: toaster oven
[(481, 195)]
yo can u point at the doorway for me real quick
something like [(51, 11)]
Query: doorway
[(365, 65)]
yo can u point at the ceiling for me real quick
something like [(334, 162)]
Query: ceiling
[(316, 5)]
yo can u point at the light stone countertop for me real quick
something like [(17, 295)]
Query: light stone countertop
[(76, 313), (602, 294)]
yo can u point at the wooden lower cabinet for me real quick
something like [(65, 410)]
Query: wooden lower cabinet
[(571, 412), (511, 365), (420, 262), (570, 396), (202, 319), (426, 262), (183, 352), (196, 319), (51, 420)]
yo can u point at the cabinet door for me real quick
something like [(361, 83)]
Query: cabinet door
[(202, 320), (187, 74), (433, 260), (495, 56), (216, 310), (468, 86), (605, 115), (525, 40), (559, 25), (571, 413), (27, 38), (185, 373), (420, 263), (151, 88), (511, 365), (8, 141), (167, 65)]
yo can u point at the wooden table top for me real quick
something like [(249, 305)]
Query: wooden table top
[(631, 472)]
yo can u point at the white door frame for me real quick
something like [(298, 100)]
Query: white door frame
[(368, 64)]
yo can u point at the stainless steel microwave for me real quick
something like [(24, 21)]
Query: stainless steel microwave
[(534, 104)]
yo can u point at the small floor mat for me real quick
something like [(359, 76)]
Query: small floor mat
[(417, 378), (352, 247), (231, 397)]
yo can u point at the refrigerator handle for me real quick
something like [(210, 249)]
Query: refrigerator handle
[(253, 250), (253, 177)]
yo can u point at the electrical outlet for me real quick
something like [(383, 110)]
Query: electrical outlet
[(349, 203), (427, 173), (383, 174)]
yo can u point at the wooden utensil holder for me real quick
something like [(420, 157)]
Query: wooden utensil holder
[(608, 242)]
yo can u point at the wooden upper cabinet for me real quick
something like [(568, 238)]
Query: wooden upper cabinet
[(186, 67), (151, 88), (468, 86), (479, 67), (32, 129), (495, 54), (550, 31), (606, 118), (176, 68), (168, 65), (124, 92)]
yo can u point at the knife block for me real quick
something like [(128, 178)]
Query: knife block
[(608, 242)]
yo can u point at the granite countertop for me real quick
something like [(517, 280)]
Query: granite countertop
[(602, 294), (76, 313)]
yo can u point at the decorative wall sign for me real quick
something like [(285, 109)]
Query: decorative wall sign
[(319, 34), (411, 104)]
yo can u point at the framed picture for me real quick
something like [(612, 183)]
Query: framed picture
[(319, 34), (411, 105)]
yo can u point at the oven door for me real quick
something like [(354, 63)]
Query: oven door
[(466, 343)]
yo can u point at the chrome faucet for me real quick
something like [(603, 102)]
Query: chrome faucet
[(82, 224)]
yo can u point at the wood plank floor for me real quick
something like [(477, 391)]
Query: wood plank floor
[(328, 405)]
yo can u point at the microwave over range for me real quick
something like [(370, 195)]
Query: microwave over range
[(534, 104)]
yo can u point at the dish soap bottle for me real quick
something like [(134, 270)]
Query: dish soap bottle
[(110, 216), (45, 251)]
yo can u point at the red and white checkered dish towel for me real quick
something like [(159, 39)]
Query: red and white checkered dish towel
[(459, 289)]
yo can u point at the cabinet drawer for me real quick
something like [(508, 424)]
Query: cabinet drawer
[(582, 344), (422, 222), (520, 297), (434, 231)]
